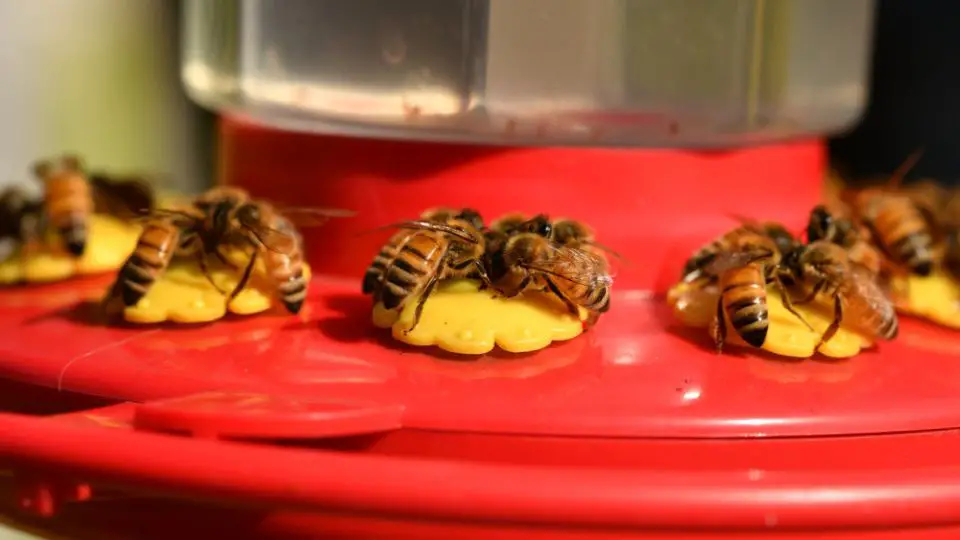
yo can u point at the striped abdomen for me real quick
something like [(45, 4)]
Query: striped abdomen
[(867, 307), (286, 271), (417, 260), (744, 298), (588, 284), (155, 248), (68, 204), (904, 233), (951, 256), (373, 278)]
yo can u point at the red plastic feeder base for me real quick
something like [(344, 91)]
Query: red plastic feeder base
[(635, 429)]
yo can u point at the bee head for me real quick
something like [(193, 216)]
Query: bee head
[(472, 217), (783, 238), (524, 248), (821, 224), (792, 260), (539, 225), (247, 213)]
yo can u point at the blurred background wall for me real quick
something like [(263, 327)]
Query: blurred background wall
[(914, 94), (100, 78)]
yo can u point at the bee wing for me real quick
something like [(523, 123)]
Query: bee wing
[(313, 217), (865, 286), (750, 222), (185, 216), (579, 266), (284, 241), (423, 225), (728, 260), (123, 197)]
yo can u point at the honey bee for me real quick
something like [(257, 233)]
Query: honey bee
[(20, 220), (68, 200), (901, 228), (742, 265), (222, 218), (434, 251), (373, 278), (163, 236), (579, 278), (825, 268), (854, 238), (16, 210), (232, 219)]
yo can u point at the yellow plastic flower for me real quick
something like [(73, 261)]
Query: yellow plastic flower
[(184, 295), (787, 336), (936, 298), (460, 318)]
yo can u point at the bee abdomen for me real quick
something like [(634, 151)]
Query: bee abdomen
[(373, 278), (915, 250), (293, 293), (147, 261), (905, 232), (74, 235), (599, 300), (136, 277), (407, 273), (890, 326), (746, 305)]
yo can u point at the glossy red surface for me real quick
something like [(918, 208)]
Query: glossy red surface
[(384, 495), (635, 374), (637, 427)]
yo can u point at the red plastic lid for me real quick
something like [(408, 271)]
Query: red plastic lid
[(637, 374), (331, 375)]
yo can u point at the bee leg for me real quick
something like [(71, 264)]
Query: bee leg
[(571, 307), (522, 286), (817, 289), (835, 324), (720, 332), (245, 278), (788, 302), (427, 291), (202, 261), (484, 277)]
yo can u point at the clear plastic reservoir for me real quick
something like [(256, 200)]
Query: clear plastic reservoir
[(581, 72)]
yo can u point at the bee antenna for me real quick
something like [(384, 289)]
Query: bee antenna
[(742, 219), (425, 226), (900, 172)]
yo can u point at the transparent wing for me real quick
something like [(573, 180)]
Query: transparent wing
[(580, 266), (125, 197), (313, 217), (862, 284), (283, 239), (728, 260), (422, 225), (183, 214)]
